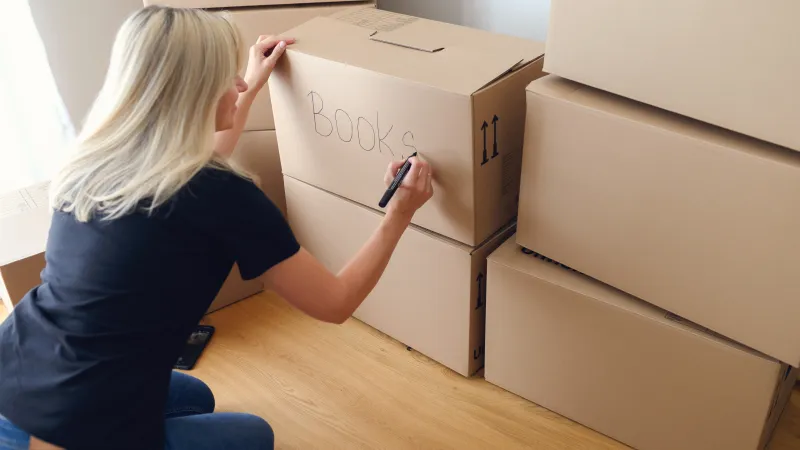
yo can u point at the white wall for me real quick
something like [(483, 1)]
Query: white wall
[(523, 18), (77, 35)]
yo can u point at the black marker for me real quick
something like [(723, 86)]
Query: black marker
[(398, 179)]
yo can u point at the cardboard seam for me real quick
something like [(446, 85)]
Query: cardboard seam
[(451, 92), (513, 71), (778, 155), (717, 341), (468, 249)]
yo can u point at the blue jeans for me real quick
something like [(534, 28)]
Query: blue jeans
[(189, 423)]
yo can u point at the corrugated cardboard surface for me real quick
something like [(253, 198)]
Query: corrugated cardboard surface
[(234, 3), (253, 23), (692, 218), (620, 366), (24, 224), (431, 294), (723, 62), (257, 153), (19, 277), (367, 87)]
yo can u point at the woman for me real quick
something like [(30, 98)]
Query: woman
[(149, 220)]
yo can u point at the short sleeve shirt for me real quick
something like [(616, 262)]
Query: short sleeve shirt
[(86, 357)]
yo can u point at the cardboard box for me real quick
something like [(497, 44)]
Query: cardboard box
[(235, 3), (24, 226), (366, 87), (253, 23), (695, 219), (235, 289), (431, 294), (24, 223), (655, 382), (729, 65), (257, 153)]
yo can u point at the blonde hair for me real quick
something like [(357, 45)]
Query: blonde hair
[(151, 128)]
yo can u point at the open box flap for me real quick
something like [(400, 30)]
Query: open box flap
[(449, 57)]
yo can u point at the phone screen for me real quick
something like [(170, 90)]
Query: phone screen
[(194, 347), (199, 337)]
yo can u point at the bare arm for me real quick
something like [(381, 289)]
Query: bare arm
[(225, 141), (309, 286), (263, 57)]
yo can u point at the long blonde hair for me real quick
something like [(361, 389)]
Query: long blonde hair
[(152, 126)]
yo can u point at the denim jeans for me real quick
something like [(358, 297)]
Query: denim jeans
[(189, 423)]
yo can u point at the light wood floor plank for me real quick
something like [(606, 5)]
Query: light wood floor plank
[(323, 386), (349, 387)]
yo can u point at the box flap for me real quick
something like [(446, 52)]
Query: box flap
[(412, 40), (449, 57)]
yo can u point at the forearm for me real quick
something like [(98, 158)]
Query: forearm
[(225, 141), (362, 273), (305, 283)]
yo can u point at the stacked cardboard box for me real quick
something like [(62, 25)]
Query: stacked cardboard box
[(365, 87), (696, 220), (623, 367), (257, 151)]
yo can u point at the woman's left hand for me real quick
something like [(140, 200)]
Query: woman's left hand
[(264, 55)]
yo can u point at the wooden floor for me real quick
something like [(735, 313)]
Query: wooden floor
[(323, 386)]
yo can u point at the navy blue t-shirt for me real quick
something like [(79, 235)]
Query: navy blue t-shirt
[(86, 357)]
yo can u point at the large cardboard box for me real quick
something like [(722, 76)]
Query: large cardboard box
[(253, 23), (621, 366), (257, 153), (695, 219), (722, 62), (235, 3), (367, 86), (431, 294), (24, 223), (24, 226)]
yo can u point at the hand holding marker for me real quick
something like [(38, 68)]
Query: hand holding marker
[(410, 183), (398, 179)]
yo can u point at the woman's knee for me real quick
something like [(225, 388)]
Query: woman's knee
[(188, 395), (220, 430), (257, 432)]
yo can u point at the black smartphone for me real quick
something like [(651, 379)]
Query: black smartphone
[(194, 347)]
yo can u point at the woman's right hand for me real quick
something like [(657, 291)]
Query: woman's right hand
[(415, 191), (333, 298)]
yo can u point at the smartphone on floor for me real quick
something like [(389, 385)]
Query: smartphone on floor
[(194, 347)]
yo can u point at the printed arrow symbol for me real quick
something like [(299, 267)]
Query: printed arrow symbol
[(485, 152), (494, 122), (480, 291)]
